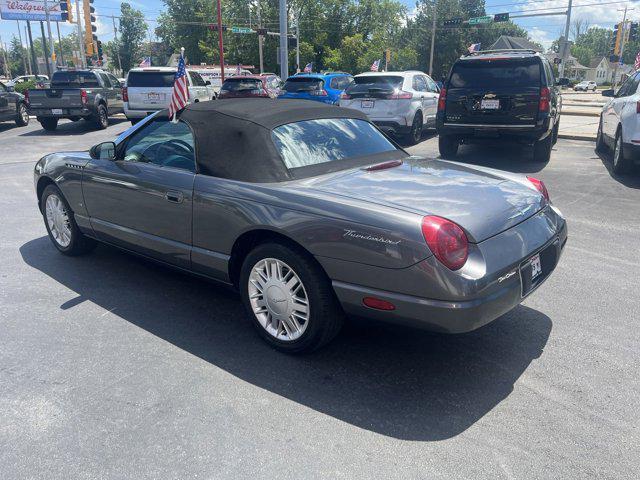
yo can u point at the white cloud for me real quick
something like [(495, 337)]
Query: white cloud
[(543, 37), (590, 13)]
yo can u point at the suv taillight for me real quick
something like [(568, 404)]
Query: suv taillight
[(447, 241), (83, 97), (319, 93), (442, 99), (345, 96), (400, 95), (545, 96), (125, 94)]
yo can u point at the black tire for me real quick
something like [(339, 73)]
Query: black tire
[(79, 243), (22, 115), (542, 149), (448, 146), (74, 119), (415, 134), (49, 124), (325, 313), (101, 117), (556, 130), (620, 163), (601, 145)]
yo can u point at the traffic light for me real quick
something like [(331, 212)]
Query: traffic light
[(99, 47), (292, 42), (214, 27), (261, 31), (633, 31), (452, 22), (89, 26), (616, 39), (64, 11), (501, 17)]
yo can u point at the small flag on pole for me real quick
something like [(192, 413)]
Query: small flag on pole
[(308, 68), (375, 66), (146, 62), (474, 47), (636, 65), (180, 94), (238, 69)]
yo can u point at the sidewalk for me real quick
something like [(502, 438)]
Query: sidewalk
[(578, 127)]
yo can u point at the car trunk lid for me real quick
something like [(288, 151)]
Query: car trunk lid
[(376, 95), (150, 89)]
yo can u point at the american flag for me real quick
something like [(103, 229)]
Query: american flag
[(180, 95), (375, 66), (308, 68), (146, 62), (474, 47), (238, 69), (636, 65)]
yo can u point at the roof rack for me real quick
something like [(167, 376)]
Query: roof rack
[(502, 50)]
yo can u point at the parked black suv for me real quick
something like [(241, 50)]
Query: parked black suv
[(506, 95)]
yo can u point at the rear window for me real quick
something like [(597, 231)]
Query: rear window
[(241, 84), (379, 80), (72, 79), (150, 79), (496, 73), (312, 142), (302, 84)]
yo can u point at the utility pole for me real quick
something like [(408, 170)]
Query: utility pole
[(622, 38), (45, 50), (433, 36), (7, 72), (298, 42), (115, 36), (565, 46), (34, 59), (260, 38), (83, 58), (60, 45), (24, 59), (52, 51), (220, 43), (284, 47)]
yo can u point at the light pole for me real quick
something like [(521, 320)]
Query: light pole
[(433, 36), (52, 52), (220, 43), (565, 46), (284, 51)]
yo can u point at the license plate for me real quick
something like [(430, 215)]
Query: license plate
[(153, 96), (536, 266), (490, 104), (367, 103), (56, 111)]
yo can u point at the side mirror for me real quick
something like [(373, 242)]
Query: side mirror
[(208, 82), (562, 82), (103, 151), (607, 93)]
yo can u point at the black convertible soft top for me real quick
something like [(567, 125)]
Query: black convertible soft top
[(233, 137)]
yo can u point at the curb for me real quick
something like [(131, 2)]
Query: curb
[(584, 138), (580, 114)]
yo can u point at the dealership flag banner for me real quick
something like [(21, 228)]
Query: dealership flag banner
[(308, 68), (25, 10), (146, 62), (180, 95)]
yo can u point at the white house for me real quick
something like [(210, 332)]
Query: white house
[(601, 71)]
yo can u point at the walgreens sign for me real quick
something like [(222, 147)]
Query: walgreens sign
[(19, 10)]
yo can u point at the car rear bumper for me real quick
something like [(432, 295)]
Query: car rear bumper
[(396, 126), (470, 131), (140, 113), (66, 112)]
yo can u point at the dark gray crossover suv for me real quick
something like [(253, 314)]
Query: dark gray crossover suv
[(500, 96), (311, 213)]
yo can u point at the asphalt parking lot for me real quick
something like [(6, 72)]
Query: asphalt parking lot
[(113, 367)]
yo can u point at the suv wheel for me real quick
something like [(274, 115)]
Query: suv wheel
[(49, 124), (22, 115), (620, 163), (102, 117), (448, 146), (542, 149), (556, 129), (415, 134), (289, 299)]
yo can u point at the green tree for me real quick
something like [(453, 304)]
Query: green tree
[(131, 34)]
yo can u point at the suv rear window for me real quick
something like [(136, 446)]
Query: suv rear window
[(150, 79), (302, 84), (241, 84), (73, 79), (496, 73)]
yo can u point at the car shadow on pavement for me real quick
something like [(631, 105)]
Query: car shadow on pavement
[(510, 157), (631, 179), (399, 382), (69, 128)]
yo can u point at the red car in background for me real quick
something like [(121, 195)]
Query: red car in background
[(266, 85)]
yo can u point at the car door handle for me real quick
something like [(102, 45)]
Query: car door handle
[(175, 197)]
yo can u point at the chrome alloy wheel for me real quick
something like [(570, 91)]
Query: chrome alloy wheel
[(58, 221), (278, 299), (617, 151), (24, 114)]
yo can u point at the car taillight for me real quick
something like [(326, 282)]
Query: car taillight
[(378, 303), (83, 96), (125, 94), (442, 99), (447, 241), (400, 95), (319, 93), (539, 184), (345, 96), (544, 99)]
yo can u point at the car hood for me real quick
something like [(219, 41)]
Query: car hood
[(483, 203)]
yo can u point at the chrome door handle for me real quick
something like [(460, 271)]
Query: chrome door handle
[(175, 197)]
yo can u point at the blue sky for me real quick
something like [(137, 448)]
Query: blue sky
[(542, 29)]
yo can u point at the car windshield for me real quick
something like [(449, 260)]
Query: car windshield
[(311, 142), (496, 73), (74, 79), (303, 84), (150, 79), (241, 84)]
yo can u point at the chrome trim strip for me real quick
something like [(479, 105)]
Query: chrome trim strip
[(475, 125)]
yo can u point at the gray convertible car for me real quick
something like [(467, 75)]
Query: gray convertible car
[(312, 214)]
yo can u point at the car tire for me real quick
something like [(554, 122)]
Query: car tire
[(74, 119), (542, 149), (601, 145), (22, 115), (415, 134), (556, 130), (448, 146), (620, 162), (101, 117), (61, 226), (301, 332), (134, 121), (49, 124)]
